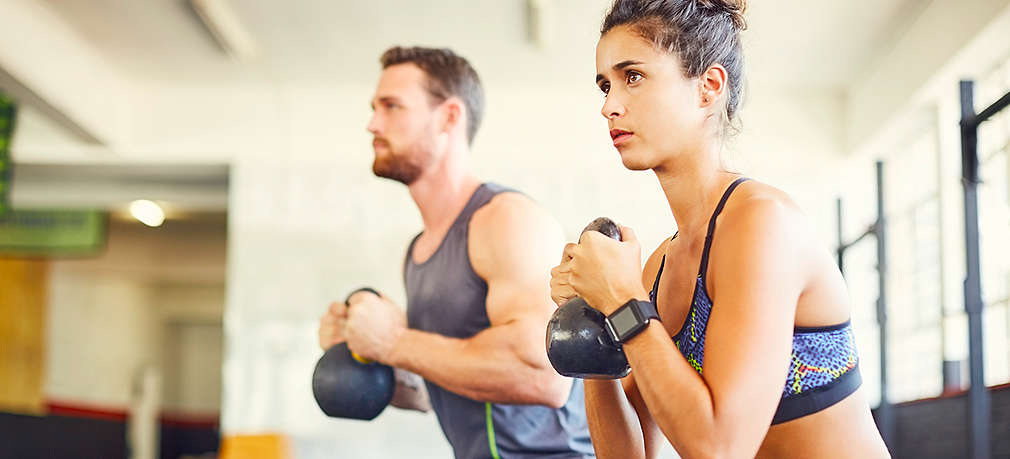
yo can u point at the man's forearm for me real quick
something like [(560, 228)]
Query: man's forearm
[(486, 367)]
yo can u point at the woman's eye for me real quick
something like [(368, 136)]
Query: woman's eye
[(605, 87), (634, 77)]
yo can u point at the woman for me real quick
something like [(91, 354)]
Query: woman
[(762, 360)]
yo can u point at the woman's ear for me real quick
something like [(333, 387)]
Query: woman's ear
[(712, 84)]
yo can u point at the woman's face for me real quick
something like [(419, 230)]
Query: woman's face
[(654, 113)]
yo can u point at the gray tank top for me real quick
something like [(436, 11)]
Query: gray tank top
[(446, 296)]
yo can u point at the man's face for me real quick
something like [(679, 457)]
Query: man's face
[(403, 124)]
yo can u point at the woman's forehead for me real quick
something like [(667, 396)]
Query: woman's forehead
[(621, 44)]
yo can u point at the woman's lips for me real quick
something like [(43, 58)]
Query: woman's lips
[(620, 136)]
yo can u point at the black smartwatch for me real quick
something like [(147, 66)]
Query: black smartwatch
[(630, 319)]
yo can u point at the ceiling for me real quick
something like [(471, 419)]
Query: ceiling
[(790, 43), (185, 190)]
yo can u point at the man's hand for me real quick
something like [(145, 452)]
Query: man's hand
[(332, 324), (374, 324)]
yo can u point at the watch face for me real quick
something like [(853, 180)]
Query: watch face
[(624, 321)]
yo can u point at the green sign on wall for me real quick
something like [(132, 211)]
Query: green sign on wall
[(53, 233), (8, 111)]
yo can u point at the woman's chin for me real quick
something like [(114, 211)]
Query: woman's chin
[(634, 161)]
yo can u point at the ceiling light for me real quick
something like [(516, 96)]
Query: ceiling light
[(147, 212)]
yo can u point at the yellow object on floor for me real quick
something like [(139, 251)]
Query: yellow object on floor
[(263, 446)]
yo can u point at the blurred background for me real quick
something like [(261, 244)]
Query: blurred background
[(186, 184)]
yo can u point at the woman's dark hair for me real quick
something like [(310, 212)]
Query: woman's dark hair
[(700, 32)]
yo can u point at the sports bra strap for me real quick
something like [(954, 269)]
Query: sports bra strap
[(711, 226)]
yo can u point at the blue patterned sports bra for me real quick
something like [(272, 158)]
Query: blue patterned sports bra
[(823, 369)]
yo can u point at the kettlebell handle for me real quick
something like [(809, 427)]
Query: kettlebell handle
[(347, 301)]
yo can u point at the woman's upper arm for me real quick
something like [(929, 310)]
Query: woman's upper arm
[(757, 268)]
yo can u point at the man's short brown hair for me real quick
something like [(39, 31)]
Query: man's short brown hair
[(448, 75)]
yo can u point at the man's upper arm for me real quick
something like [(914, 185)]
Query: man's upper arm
[(513, 246)]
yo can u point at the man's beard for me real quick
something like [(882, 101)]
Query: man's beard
[(405, 169)]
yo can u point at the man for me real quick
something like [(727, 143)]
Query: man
[(477, 276)]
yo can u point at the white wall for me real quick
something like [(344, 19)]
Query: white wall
[(190, 303), (153, 298), (101, 330), (192, 346), (192, 368)]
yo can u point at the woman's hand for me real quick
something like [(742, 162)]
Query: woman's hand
[(603, 271)]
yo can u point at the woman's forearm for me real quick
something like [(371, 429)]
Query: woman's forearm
[(613, 423)]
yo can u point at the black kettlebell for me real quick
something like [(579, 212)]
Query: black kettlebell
[(578, 343), (348, 386)]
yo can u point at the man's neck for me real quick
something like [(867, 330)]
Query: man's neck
[(443, 190)]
